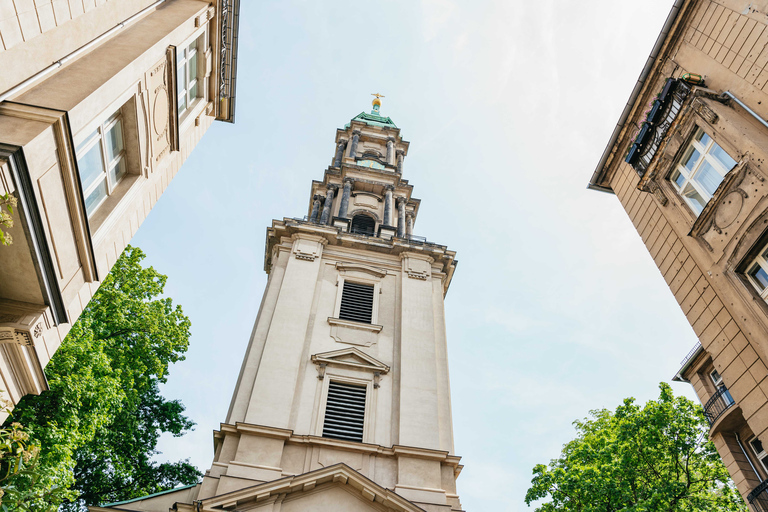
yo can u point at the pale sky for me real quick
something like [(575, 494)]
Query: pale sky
[(555, 309)]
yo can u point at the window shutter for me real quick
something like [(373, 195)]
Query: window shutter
[(344, 412), (356, 302)]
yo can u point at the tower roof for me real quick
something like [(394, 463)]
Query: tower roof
[(375, 118)]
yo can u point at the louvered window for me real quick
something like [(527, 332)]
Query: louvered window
[(356, 302), (344, 412)]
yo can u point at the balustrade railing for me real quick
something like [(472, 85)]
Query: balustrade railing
[(720, 402), (758, 498)]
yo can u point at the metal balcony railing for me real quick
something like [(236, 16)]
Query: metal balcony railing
[(758, 498), (720, 402), (690, 354), (410, 239)]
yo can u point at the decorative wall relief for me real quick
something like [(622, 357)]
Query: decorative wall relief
[(730, 208), (163, 130)]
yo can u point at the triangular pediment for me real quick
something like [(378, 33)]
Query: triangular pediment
[(339, 480), (350, 357)]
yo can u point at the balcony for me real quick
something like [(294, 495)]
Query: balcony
[(716, 406), (758, 498), (364, 232)]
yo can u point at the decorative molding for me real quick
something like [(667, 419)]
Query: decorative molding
[(417, 266), (349, 358), (29, 213), (731, 182), (705, 111), (65, 151), (338, 475), (354, 333), (342, 266), (308, 247)]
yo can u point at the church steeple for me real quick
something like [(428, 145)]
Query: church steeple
[(343, 397)]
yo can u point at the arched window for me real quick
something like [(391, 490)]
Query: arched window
[(363, 225)]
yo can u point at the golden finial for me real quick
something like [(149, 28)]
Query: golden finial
[(377, 101)]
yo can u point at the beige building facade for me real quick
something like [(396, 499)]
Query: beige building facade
[(100, 104), (343, 400), (687, 161)]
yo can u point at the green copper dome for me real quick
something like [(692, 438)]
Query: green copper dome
[(374, 118)]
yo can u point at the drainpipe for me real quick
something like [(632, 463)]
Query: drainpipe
[(747, 456), (56, 65), (729, 94)]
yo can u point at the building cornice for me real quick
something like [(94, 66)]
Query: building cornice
[(668, 34)]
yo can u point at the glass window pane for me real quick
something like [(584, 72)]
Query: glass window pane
[(117, 172), (690, 158), (91, 166), (760, 277), (708, 177), (703, 137), (193, 91), (757, 445), (95, 198), (114, 141), (678, 178), (87, 140), (193, 67), (695, 200), (722, 157), (181, 86)]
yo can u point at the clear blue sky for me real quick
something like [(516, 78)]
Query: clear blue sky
[(555, 309)]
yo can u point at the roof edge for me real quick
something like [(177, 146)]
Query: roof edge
[(105, 505), (593, 182)]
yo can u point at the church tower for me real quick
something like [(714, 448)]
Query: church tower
[(343, 400)]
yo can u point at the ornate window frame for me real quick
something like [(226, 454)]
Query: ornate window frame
[(348, 366)]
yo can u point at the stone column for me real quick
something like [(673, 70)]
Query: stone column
[(344, 206), (409, 223), (326, 216), (316, 200), (400, 217), (390, 150), (353, 146), (388, 205), (339, 153), (400, 157)]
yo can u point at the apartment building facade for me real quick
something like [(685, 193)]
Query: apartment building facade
[(101, 101), (687, 161)]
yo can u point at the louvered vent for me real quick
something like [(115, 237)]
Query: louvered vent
[(363, 225), (357, 302), (345, 412)]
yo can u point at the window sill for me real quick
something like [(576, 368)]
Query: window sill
[(354, 333), (110, 209), (187, 119)]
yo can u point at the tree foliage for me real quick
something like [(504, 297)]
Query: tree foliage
[(98, 425), (7, 202), (637, 459)]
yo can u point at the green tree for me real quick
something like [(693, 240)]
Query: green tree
[(98, 425), (8, 202), (638, 459)]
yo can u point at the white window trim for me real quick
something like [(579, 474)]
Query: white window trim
[(197, 105), (107, 166), (334, 375), (718, 382), (762, 459), (762, 262), (359, 280), (690, 178)]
